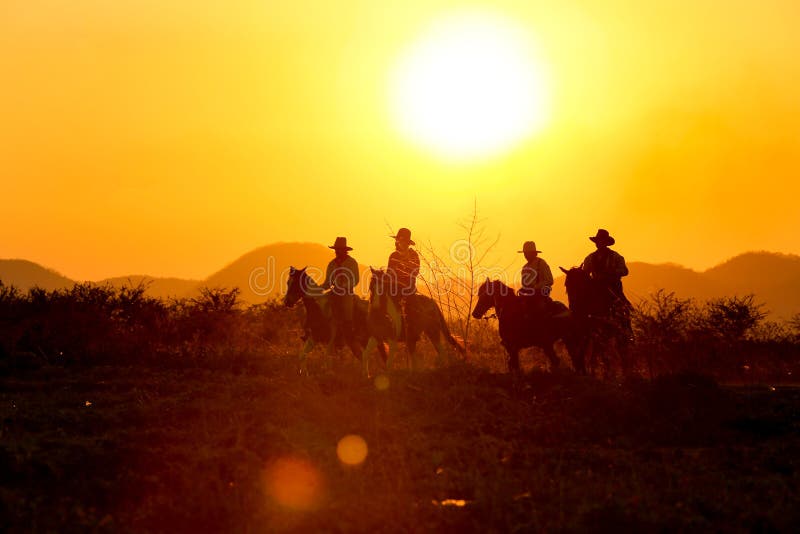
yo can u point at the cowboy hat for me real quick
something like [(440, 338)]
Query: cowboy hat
[(340, 243), (602, 238), (529, 246), (403, 234)]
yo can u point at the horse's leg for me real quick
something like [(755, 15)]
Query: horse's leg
[(392, 352), (575, 354), (588, 355), (330, 352), (513, 360), (384, 356), (578, 354), (302, 357), (411, 346), (552, 356), (372, 342), (442, 356), (434, 336)]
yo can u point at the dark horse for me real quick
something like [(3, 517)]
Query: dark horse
[(387, 324), (519, 331), (320, 326), (602, 317)]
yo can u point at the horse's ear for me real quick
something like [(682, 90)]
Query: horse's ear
[(487, 280), (563, 270), (304, 269), (372, 270), (292, 270)]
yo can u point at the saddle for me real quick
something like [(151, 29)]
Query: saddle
[(545, 310)]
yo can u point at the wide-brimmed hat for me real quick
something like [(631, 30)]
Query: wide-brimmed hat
[(602, 238), (529, 246), (340, 243), (403, 234)]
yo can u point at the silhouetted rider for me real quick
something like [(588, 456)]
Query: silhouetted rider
[(605, 265), (341, 277), (403, 266), (537, 280)]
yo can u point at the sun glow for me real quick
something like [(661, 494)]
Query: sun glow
[(471, 87)]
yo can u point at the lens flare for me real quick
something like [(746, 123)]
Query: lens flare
[(294, 483), (381, 382), (352, 450)]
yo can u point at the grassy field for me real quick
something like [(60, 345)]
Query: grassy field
[(252, 447)]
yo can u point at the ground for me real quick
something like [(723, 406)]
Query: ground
[(252, 447)]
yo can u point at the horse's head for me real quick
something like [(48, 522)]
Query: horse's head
[(577, 283), (487, 294), (378, 287), (298, 286)]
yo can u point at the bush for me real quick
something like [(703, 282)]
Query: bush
[(90, 324), (663, 327), (732, 318), (726, 337)]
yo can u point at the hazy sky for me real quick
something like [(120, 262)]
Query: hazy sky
[(147, 136)]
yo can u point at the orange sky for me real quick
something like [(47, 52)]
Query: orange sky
[(171, 137)]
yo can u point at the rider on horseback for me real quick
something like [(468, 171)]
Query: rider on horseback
[(341, 278), (537, 281), (606, 266), (403, 264), (403, 268)]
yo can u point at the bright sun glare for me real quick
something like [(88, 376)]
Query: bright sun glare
[(471, 87)]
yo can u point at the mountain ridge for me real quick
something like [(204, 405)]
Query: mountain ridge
[(260, 274)]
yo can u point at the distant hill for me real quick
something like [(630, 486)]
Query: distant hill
[(773, 278), (25, 274), (262, 273)]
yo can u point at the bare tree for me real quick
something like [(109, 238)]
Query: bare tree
[(453, 280)]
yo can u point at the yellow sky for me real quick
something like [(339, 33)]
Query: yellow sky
[(170, 137)]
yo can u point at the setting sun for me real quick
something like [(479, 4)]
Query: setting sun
[(404, 266), (471, 87)]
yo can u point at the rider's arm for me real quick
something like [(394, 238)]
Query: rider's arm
[(354, 268), (588, 263), (620, 269), (545, 275), (328, 275)]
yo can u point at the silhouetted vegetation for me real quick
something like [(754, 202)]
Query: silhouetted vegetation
[(728, 338), (120, 412), (103, 325)]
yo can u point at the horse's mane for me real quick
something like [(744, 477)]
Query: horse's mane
[(304, 278), (309, 282), (499, 285)]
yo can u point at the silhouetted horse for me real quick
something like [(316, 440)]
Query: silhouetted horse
[(320, 327), (386, 323), (518, 330), (603, 319)]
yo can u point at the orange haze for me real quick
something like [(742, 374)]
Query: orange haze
[(143, 136)]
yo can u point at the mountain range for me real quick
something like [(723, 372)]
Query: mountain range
[(261, 275)]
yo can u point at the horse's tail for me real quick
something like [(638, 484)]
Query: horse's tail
[(456, 341)]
